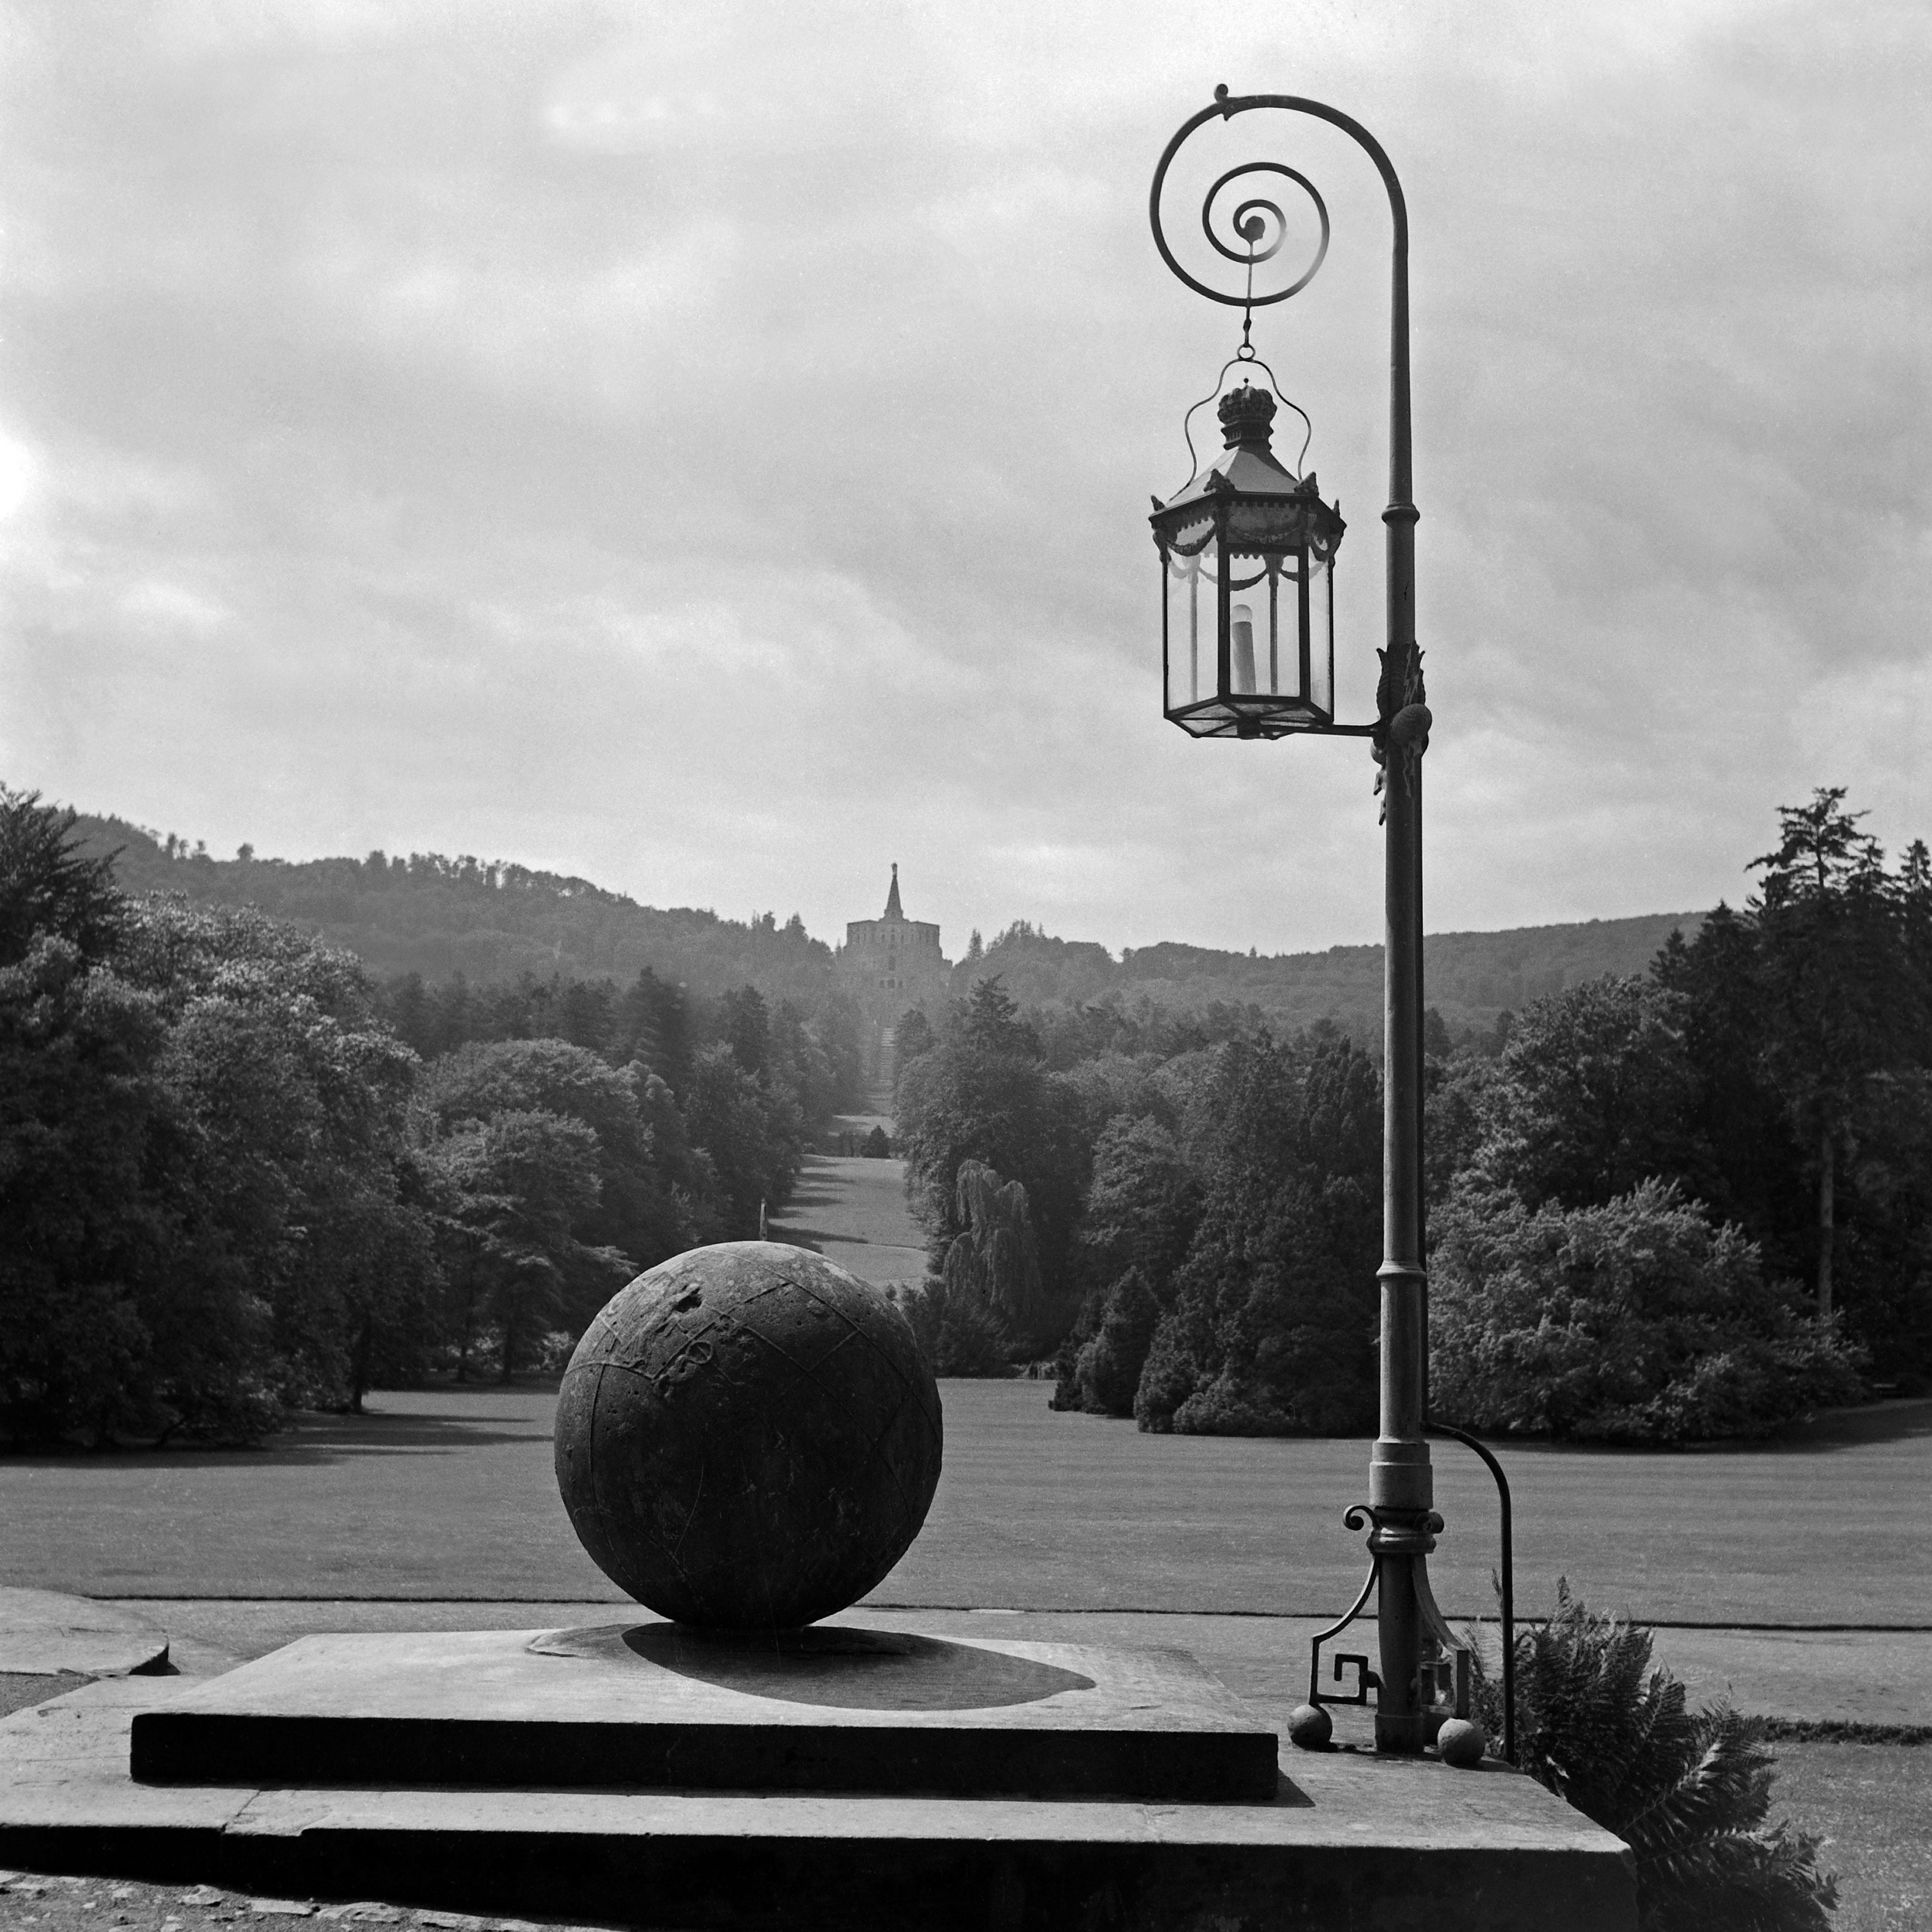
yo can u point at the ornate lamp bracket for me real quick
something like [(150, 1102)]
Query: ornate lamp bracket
[(1443, 1673), (1403, 716)]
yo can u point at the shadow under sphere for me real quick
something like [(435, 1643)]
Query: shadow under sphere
[(747, 1438)]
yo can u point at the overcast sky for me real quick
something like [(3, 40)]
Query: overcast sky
[(707, 448)]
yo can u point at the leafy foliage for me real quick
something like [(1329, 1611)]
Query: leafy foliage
[(1689, 1792), (1844, 996), (300, 1100), (754, 1136), (237, 1188), (1774, 1078), (1595, 1095), (123, 1310), (913, 1037), (1844, 1001), (228, 1186), (1106, 1372), (1142, 1209), (206, 1184), (958, 1332), (653, 1196), (983, 1094), (49, 885), (1145, 1201), (1272, 1326), (523, 1182), (1635, 1321)]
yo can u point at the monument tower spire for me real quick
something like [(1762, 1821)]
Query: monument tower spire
[(891, 963)]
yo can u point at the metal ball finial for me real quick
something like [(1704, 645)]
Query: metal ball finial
[(1310, 1727)]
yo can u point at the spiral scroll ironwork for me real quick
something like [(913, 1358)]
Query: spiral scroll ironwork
[(1249, 222)]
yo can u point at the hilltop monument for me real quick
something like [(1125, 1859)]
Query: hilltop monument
[(891, 963)]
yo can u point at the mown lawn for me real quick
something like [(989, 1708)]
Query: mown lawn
[(450, 1493), (1873, 1805)]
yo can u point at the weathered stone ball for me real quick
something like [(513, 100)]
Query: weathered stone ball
[(1460, 1742), (747, 1437), (1310, 1727)]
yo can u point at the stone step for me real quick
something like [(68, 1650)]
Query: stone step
[(835, 1708), (1350, 1843)]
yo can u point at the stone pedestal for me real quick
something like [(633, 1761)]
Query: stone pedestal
[(656, 1707), (992, 1785)]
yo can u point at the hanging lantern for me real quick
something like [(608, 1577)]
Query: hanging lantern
[(1247, 555)]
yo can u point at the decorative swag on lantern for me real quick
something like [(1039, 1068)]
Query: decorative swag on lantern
[(1247, 554)]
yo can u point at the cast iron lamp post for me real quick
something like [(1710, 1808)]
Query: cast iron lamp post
[(1247, 551)]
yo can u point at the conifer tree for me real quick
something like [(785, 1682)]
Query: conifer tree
[(1840, 1003)]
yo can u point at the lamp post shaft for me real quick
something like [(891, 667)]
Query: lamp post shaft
[(1401, 1486), (1401, 1494)]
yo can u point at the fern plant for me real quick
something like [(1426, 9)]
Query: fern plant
[(1688, 1791)]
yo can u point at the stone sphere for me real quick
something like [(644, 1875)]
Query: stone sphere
[(1310, 1727), (1460, 1742), (747, 1437)]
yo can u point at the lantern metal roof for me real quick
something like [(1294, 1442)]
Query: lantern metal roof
[(1248, 469)]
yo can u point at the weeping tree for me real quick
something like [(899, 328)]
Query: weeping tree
[(995, 1257)]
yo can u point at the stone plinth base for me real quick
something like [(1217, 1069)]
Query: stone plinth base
[(653, 1706), (1347, 1843)]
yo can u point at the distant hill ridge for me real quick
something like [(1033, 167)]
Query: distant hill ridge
[(440, 916), (1470, 977)]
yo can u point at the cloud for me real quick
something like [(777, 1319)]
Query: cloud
[(708, 449)]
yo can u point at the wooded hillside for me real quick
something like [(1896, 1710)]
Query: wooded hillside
[(439, 916), (1472, 977)]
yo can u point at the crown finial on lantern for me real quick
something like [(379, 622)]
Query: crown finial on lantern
[(1246, 414)]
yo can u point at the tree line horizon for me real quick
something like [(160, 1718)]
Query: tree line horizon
[(490, 921), (239, 1172), (1689, 1203)]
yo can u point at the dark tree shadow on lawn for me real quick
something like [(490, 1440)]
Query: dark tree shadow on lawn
[(1908, 1421), (314, 1439), (1903, 1421), (811, 1193), (808, 1237)]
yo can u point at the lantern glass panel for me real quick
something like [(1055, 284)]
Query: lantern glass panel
[(1322, 635), (1191, 569)]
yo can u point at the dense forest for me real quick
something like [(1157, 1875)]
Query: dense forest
[(237, 1175), (242, 1168), (1692, 1201)]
